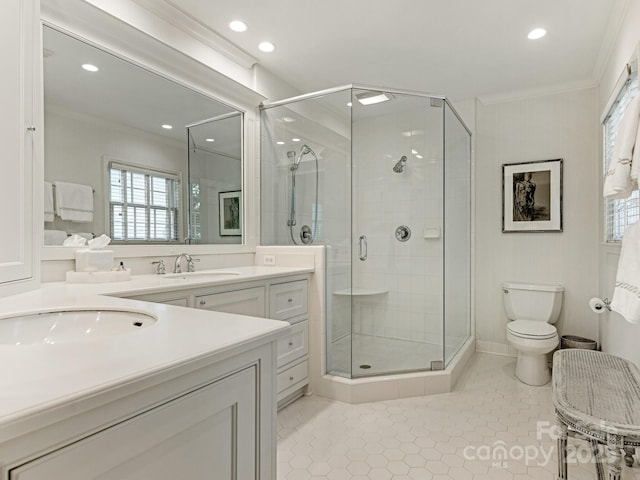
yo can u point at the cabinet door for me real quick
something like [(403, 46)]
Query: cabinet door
[(208, 434), (249, 301), (17, 55)]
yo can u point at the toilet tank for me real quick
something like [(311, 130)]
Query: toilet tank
[(526, 301)]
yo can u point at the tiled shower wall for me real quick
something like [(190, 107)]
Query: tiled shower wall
[(411, 272)]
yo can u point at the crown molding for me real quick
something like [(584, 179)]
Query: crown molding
[(169, 12), (537, 92)]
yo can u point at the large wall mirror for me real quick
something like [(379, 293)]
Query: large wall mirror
[(133, 155)]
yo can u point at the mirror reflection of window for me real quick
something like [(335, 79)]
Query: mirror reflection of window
[(122, 111), (144, 205)]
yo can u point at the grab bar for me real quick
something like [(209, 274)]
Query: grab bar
[(363, 249)]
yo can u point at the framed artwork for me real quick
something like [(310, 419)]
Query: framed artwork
[(532, 196), (230, 204)]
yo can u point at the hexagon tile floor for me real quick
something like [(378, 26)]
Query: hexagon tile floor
[(491, 427)]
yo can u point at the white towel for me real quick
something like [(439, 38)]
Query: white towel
[(617, 181), (74, 202), (54, 237), (85, 235), (48, 202), (635, 159), (627, 131), (626, 294)]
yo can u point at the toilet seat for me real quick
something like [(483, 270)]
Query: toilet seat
[(531, 329)]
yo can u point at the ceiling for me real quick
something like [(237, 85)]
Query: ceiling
[(458, 48)]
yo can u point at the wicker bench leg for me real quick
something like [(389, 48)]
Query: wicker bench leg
[(614, 456), (595, 446), (562, 451)]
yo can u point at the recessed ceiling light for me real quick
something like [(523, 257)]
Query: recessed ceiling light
[(167, 127), (369, 98), (280, 143), (288, 119), (418, 156), (266, 47), (295, 139), (238, 26), (349, 104), (414, 151), (537, 33), (90, 68), (209, 140)]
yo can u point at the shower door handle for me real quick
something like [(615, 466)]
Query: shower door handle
[(363, 249)]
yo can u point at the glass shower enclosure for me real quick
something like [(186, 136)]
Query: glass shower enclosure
[(382, 179)]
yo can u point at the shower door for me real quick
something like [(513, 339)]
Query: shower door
[(397, 237)]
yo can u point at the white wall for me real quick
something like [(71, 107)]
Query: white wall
[(556, 126), (617, 335)]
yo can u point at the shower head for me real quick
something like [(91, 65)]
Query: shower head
[(304, 150), (399, 166)]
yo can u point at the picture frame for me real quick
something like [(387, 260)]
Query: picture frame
[(532, 196), (230, 217)]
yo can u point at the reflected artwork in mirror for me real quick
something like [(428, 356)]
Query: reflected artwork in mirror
[(130, 153)]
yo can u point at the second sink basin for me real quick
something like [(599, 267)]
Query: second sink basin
[(61, 326), (201, 274)]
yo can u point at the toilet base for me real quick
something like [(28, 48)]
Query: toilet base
[(532, 369)]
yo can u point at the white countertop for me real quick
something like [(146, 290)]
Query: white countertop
[(34, 378)]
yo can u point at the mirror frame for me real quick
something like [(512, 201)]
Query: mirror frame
[(101, 30)]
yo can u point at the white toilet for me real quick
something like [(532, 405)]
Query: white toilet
[(533, 309)]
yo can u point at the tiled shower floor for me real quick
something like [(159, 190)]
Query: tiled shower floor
[(491, 427), (383, 355)]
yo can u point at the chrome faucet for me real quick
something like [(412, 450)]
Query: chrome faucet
[(189, 259)]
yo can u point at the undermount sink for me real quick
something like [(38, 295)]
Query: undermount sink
[(62, 326), (200, 274)]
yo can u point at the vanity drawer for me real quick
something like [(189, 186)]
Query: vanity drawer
[(178, 302), (294, 345), (248, 301), (292, 378), (288, 300)]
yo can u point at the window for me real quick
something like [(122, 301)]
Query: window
[(143, 204), (619, 213)]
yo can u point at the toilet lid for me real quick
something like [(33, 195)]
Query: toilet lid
[(531, 329)]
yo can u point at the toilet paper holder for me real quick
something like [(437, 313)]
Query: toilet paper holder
[(598, 305)]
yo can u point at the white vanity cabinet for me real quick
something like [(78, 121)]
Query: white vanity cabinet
[(19, 136), (280, 298), (206, 420), (286, 300), (208, 433)]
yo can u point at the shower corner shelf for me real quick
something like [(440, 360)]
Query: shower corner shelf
[(360, 292)]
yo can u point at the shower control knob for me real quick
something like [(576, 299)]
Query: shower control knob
[(403, 233)]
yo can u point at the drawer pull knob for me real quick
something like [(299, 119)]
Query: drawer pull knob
[(202, 302), (290, 300), (291, 343), (291, 378)]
